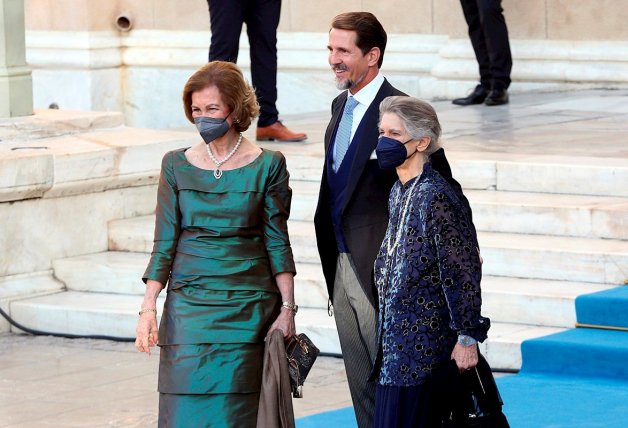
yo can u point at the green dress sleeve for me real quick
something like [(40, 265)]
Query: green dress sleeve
[(277, 199), (167, 224)]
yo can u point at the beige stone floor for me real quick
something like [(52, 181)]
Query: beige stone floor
[(592, 123), (53, 382)]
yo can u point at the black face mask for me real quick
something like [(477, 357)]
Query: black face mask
[(211, 128), (391, 153)]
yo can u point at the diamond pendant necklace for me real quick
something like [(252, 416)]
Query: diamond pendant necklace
[(218, 171)]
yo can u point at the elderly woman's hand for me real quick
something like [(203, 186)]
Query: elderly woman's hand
[(285, 323), (146, 332), (466, 356)]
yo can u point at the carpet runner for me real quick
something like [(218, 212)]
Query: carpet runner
[(574, 379)]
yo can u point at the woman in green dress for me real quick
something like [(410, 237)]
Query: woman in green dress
[(221, 246)]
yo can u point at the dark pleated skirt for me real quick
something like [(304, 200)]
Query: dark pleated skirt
[(406, 407), (417, 406)]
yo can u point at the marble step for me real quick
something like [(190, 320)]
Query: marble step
[(120, 272), (111, 272), (512, 300), (83, 313), (82, 163), (24, 286), (603, 261), (521, 256), (515, 172), (510, 212), (136, 235), (517, 212), (73, 312), (502, 349), (532, 301), (505, 254), (549, 214), (540, 173)]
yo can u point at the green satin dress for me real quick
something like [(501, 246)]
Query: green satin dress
[(218, 244)]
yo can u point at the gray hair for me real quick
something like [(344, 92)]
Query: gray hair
[(418, 117)]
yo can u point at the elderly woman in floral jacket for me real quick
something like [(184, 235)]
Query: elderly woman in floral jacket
[(427, 272)]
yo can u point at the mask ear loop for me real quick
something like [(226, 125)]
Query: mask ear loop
[(416, 150)]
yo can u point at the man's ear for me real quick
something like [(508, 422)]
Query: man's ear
[(373, 56)]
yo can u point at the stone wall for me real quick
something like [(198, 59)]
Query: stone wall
[(530, 19), (82, 60)]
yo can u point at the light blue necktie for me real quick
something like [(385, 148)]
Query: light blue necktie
[(343, 135)]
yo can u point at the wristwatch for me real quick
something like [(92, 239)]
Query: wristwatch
[(465, 340)]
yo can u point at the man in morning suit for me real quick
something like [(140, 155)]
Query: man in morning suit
[(352, 212)]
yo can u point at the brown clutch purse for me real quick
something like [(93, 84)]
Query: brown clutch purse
[(301, 353)]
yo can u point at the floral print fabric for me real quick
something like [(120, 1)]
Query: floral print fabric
[(428, 274)]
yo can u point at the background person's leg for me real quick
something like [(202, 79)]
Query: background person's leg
[(476, 35), (226, 18), (497, 43), (262, 20)]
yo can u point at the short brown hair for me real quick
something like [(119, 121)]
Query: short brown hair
[(234, 90), (369, 31)]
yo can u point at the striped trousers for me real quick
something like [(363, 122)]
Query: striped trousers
[(356, 320)]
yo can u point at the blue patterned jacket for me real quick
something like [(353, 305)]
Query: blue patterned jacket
[(428, 279)]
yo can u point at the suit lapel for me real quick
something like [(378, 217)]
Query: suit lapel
[(368, 141)]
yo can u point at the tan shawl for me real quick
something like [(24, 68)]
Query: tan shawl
[(275, 401)]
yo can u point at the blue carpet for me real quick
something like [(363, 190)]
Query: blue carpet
[(534, 401), (583, 352), (539, 401), (604, 308), (574, 379), (336, 418)]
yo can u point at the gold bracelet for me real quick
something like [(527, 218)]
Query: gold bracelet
[(291, 306), (144, 310)]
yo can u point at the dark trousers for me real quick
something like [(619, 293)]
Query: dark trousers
[(262, 19), (489, 37)]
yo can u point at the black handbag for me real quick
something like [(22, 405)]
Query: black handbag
[(301, 353), (475, 401)]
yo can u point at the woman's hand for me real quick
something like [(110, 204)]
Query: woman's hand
[(285, 323), (146, 332), (466, 356)]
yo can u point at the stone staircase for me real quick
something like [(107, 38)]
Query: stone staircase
[(63, 175), (550, 228)]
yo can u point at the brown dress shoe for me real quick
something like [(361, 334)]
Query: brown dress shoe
[(277, 131)]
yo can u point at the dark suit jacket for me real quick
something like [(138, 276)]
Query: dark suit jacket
[(365, 206)]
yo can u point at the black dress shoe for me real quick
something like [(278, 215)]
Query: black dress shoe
[(478, 96), (497, 97)]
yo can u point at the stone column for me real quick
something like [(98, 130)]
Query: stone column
[(16, 88)]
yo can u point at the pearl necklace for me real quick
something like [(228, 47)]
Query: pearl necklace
[(402, 220), (218, 171)]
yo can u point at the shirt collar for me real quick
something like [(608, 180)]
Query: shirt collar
[(366, 95)]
